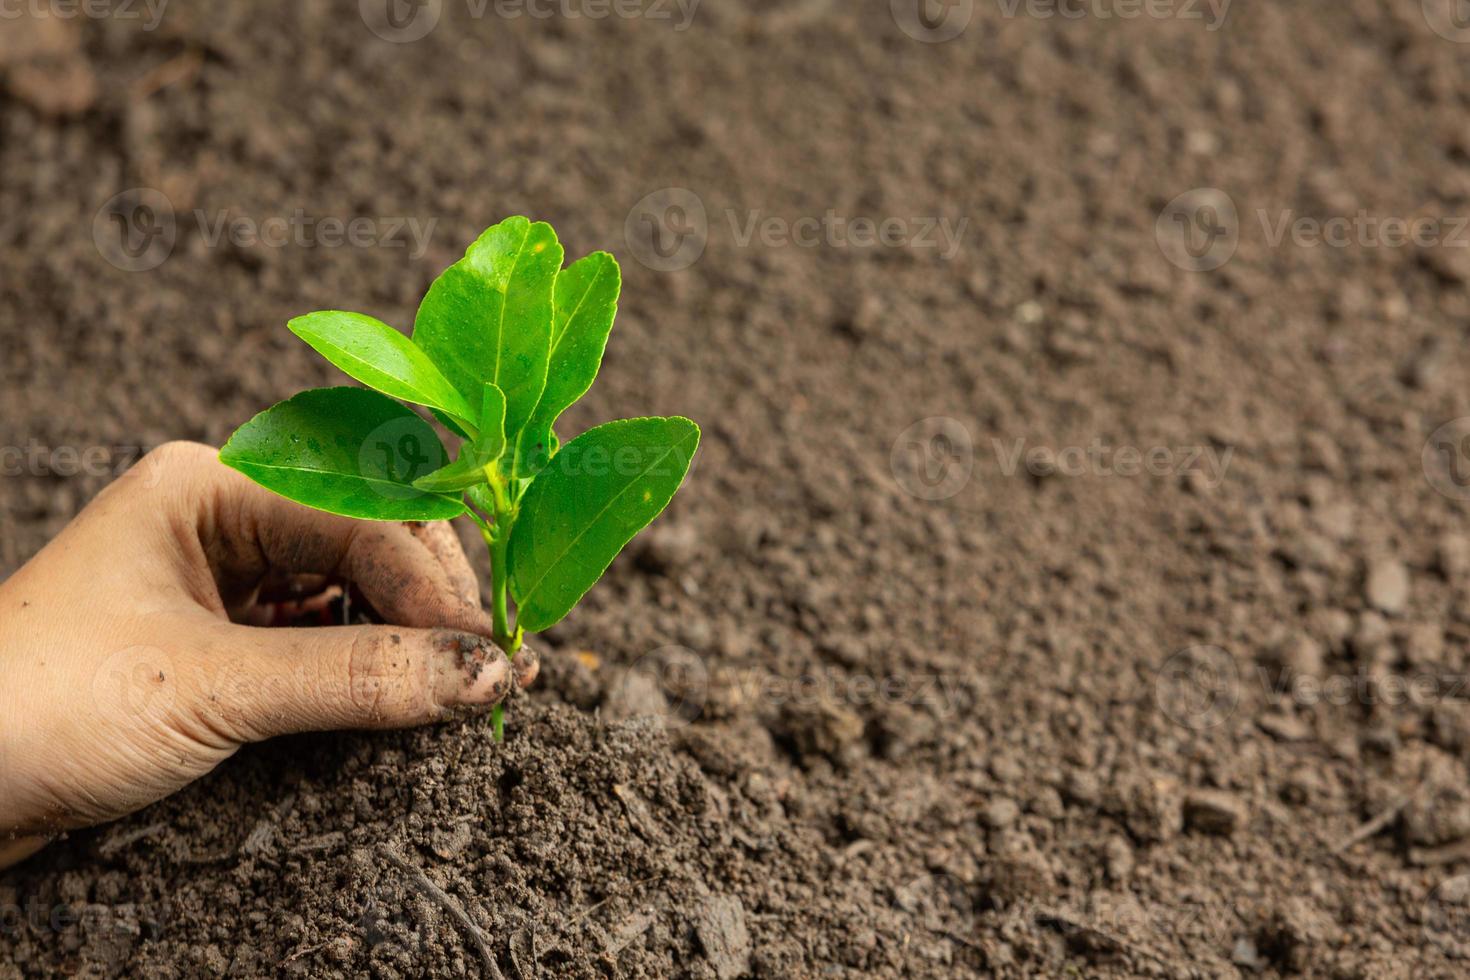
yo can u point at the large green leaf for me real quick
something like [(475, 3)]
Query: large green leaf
[(372, 352), (487, 318), (475, 455), (347, 451), (602, 488), (586, 300)]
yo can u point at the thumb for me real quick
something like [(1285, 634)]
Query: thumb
[(325, 678)]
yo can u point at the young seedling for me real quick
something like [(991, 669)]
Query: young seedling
[(504, 341)]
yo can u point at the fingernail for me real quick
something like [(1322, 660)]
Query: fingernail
[(474, 672), (527, 664)]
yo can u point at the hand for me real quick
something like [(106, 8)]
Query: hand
[(127, 669)]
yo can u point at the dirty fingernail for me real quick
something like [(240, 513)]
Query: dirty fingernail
[(475, 673), (527, 664)]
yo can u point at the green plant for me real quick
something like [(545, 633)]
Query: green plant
[(504, 341)]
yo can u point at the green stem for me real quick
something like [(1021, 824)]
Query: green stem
[(509, 641), (497, 538)]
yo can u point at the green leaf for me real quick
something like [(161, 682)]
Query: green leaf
[(586, 300), (600, 490), (452, 424), (372, 352), (487, 318), (347, 451), (469, 469)]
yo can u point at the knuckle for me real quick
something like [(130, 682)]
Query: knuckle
[(169, 464), (382, 680), (179, 453)]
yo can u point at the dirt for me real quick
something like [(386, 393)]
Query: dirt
[(871, 699)]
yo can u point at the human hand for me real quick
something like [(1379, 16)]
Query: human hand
[(129, 666)]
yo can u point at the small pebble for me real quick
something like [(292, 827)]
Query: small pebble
[(1001, 812), (1387, 585), (1212, 811)]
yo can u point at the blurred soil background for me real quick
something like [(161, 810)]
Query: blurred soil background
[(1073, 581)]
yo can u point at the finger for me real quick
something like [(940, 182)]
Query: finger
[(405, 583), (286, 681), (283, 586), (443, 543), (246, 531), (14, 851), (323, 609), (278, 594), (527, 665)]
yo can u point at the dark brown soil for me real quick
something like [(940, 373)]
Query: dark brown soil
[(887, 735)]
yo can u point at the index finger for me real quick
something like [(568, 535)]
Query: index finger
[(247, 531)]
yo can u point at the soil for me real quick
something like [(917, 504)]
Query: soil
[(853, 707)]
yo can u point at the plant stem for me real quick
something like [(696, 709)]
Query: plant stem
[(497, 538)]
